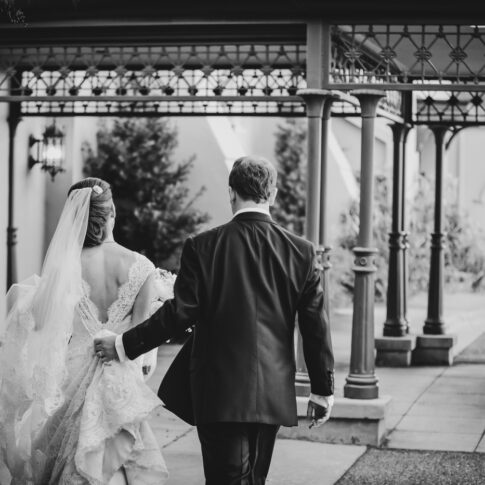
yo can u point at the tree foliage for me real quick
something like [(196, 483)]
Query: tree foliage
[(155, 212), (464, 242), (290, 153)]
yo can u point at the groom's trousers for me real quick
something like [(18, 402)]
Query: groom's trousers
[(236, 453)]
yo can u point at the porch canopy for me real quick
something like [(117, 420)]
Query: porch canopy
[(413, 62)]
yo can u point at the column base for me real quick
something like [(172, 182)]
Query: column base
[(361, 387), (353, 422), (434, 350), (394, 351)]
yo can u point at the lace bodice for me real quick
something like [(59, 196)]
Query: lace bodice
[(122, 307)]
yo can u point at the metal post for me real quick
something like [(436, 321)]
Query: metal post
[(395, 324), (13, 121), (361, 382), (318, 69), (434, 324), (405, 240), (324, 247), (314, 99)]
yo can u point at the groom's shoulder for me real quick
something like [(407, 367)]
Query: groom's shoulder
[(212, 233), (295, 239)]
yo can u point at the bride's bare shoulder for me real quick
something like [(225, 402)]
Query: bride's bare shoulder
[(109, 258)]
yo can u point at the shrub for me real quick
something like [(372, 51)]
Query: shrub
[(154, 211), (465, 243)]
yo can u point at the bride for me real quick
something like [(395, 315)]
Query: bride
[(65, 416)]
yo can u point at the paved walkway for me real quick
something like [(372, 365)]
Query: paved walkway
[(432, 408)]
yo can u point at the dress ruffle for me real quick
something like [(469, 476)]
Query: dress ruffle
[(101, 428)]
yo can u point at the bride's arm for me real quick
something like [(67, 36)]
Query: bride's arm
[(144, 300), (142, 309)]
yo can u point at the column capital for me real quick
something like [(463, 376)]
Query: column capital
[(316, 100), (14, 117), (439, 132), (399, 131), (368, 99)]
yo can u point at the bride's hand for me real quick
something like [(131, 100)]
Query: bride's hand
[(105, 348)]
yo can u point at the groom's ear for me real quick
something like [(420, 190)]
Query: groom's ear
[(272, 197), (232, 195)]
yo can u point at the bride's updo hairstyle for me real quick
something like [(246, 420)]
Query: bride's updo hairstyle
[(100, 209)]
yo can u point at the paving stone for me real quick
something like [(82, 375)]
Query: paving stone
[(184, 460), (446, 409), (458, 385), (466, 370), (427, 440), (438, 398), (443, 424), (304, 463)]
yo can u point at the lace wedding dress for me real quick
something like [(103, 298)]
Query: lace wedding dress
[(102, 422)]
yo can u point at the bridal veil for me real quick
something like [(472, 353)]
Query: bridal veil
[(34, 337)]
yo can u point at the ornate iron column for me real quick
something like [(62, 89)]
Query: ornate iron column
[(395, 324), (394, 348), (435, 347), (324, 247), (404, 233), (315, 100), (318, 73), (434, 324), (361, 382), (13, 121)]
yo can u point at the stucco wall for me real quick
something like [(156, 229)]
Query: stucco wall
[(469, 146), (29, 208), (3, 203), (196, 138)]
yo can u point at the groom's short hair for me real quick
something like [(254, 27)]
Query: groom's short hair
[(253, 178)]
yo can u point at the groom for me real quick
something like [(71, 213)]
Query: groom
[(242, 285)]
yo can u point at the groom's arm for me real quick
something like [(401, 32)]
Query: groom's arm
[(175, 315), (315, 333)]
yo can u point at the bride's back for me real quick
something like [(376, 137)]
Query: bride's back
[(105, 268)]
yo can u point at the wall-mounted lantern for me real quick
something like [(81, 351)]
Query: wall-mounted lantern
[(49, 149)]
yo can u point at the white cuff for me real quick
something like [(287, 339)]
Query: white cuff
[(325, 401), (120, 350)]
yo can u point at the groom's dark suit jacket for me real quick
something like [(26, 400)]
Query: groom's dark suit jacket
[(242, 285)]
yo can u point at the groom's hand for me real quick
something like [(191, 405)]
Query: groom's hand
[(319, 409), (105, 348)]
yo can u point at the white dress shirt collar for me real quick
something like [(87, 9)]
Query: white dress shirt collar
[(252, 209)]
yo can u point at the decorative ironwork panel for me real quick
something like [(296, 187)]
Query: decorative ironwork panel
[(173, 107), (166, 71), (450, 107), (408, 57)]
